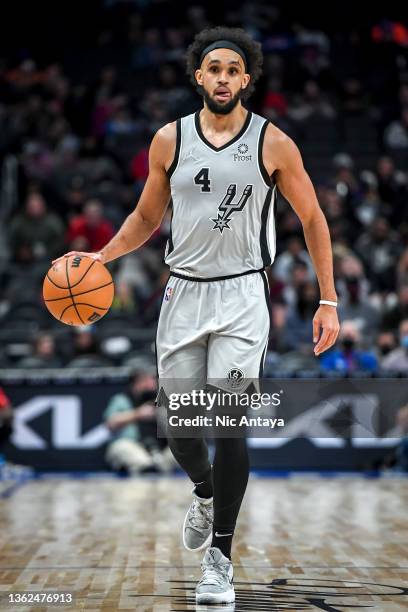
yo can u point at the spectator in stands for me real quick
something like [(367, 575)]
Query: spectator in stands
[(280, 299), (393, 317), (121, 121), (313, 102), (353, 96), (313, 60), (298, 328), (155, 109), (343, 229), (124, 300), (391, 183), (385, 343), (402, 269), (379, 248), (295, 251), (151, 307), (149, 53), (71, 191), (94, 230), (298, 274), (44, 353), (369, 203), (396, 134), (175, 95), (37, 160), (349, 357), (139, 167), (175, 45), (37, 228), (22, 277), (356, 308), (398, 358), (353, 289), (131, 419), (86, 349), (105, 92), (387, 31), (275, 103), (107, 86), (344, 180)]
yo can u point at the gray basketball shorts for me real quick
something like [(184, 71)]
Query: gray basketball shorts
[(214, 329)]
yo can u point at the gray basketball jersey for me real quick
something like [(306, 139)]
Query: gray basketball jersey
[(223, 202)]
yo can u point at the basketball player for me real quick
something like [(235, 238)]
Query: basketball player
[(221, 166)]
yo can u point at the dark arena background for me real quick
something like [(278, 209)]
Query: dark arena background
[(83, 88)]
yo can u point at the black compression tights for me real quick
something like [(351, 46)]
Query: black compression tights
[(229, 478)]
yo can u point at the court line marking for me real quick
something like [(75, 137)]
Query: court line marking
[(263, 567), (13, 488)]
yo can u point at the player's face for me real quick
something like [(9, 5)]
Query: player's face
[(223, 79)]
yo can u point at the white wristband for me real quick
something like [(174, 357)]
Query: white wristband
[(328, 303)]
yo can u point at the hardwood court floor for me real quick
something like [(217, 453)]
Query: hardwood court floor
[(303, 543)]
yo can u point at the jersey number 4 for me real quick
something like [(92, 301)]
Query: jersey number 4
[(203, 180)]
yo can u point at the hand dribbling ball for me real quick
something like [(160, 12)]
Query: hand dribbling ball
[(78, 290)]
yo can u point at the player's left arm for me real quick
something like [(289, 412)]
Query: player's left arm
[(282, 156)]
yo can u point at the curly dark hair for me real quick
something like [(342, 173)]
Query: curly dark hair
[(251, 48)]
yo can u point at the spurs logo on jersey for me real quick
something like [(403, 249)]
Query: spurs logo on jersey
[(228, 206), (214, 189)]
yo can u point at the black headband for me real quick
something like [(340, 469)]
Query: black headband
[(224, 44)]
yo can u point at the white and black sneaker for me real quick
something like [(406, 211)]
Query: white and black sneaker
[(215, 587), (197, 527)]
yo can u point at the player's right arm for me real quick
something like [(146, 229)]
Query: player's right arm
[(149, 212)]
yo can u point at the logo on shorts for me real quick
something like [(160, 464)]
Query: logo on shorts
[(235, 378), (168, 294)]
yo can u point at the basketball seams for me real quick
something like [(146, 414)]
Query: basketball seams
[(54, 283), (76, 294), (83, 276), (91, 305), (70, 292), (77, 282), (80, 304), (65, 309)]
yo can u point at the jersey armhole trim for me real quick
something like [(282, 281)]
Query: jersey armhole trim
[(174, 163), (264, 173)]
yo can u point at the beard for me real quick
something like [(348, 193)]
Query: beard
[(221, 109)]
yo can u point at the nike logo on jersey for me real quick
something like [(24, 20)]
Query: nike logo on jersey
[(228, 206), (222, 535)]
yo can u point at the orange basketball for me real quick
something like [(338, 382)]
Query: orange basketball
[(78, 290)]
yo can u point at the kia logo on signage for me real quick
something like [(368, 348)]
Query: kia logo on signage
[(66, 424)]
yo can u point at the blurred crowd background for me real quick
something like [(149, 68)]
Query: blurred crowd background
[(76, 119)]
